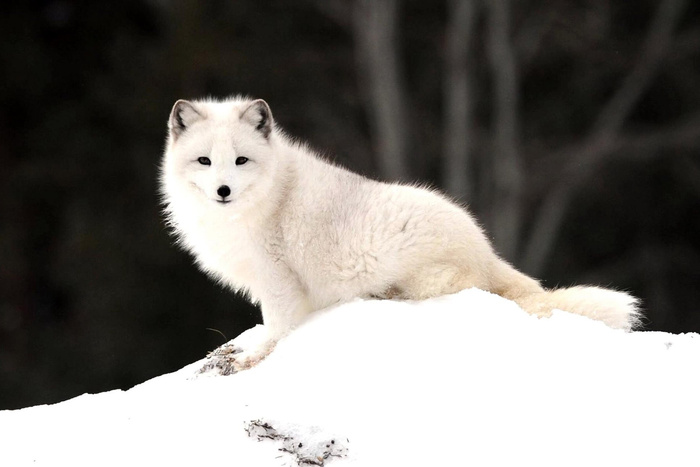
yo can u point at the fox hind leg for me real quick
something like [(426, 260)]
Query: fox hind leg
[(435, 280)]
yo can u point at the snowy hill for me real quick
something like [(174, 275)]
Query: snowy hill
[(467, 379)]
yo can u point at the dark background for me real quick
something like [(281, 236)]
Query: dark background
[(571, 129)]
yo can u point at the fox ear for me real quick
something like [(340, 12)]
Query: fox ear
[(183, 115), (259, 115)]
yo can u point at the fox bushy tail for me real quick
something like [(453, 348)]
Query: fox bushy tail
[(618, 310)]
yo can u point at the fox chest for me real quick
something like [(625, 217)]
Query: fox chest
[(242, 260), (227, 254)]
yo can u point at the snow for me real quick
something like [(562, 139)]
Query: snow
[(466, 379)]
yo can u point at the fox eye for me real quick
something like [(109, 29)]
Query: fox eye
[(241, 160), (204, 161)]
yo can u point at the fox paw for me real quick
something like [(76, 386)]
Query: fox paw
[(242, 353), (223, 360)]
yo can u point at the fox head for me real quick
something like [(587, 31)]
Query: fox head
[(219, 156)]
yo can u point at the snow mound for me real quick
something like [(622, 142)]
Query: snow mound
[(466, 379)]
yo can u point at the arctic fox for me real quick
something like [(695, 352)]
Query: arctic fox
[(265, 215)]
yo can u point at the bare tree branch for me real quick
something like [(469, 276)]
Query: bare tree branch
[(375, 24), (340, 11), (507, 170), (691, 174), (588, 156), (529, 37), (458, 113), (684, 134), (638, 80), (687, 43)]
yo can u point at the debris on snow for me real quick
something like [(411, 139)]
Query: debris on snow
[(310, 448)]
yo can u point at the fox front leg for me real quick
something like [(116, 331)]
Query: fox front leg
[(283, 308), (281, 313)]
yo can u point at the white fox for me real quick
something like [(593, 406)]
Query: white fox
[(267, 216)]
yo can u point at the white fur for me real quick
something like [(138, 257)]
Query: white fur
[(301, 234)]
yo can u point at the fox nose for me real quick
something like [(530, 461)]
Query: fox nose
[(223, 191)]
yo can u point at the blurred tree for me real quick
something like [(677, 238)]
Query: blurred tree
[(375, 24), (458, 114), (585, 157), (505, 211)]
